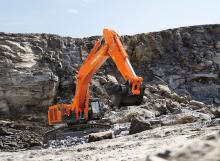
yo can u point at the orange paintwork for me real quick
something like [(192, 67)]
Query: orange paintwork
[(56, 112), (98, 55)]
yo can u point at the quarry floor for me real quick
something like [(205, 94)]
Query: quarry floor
[(132, 147)]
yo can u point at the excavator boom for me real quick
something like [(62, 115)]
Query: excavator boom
[(108, 46)]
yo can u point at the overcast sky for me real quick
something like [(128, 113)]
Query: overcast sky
[(80, 18)]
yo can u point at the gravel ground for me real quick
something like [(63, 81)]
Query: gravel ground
[(131, 147)]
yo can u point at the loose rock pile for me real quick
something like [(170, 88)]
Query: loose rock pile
[(21, 134), (164, 108)]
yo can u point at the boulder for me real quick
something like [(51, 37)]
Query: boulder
[(197, 103), (215, 111), (216, 58), (175, 81), (102, 80), (160, 106), (121, 129), (4, 108), (173, 106), (112, 79), (164, 89), (135, 111), (217, 45), (5, 131), (183, 116), (178, 98), (100, 136), (139, 124)]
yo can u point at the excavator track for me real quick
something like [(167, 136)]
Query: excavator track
[(76, 130)]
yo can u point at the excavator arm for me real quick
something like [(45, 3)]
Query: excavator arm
[(108, 46), (120, 58)]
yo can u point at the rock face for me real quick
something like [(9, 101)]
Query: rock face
[(185, 58), (39, 69)]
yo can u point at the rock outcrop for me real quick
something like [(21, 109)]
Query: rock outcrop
[(39, 69)]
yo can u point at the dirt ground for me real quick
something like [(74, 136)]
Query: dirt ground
[(22, 134), (132, 147)]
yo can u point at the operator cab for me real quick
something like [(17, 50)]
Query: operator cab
[(95, 113), (95, 109)]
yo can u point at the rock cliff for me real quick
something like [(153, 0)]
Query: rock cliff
[(38, 69)]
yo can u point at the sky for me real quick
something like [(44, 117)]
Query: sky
[(83, 18)]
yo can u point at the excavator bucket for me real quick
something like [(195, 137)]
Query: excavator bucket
[(121, 95)]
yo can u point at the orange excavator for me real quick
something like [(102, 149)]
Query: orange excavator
[(83, 109)]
